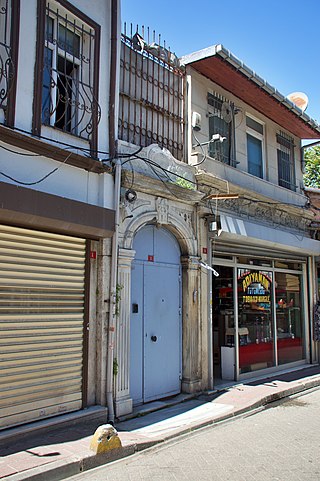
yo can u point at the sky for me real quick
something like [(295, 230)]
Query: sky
[(278, 39)]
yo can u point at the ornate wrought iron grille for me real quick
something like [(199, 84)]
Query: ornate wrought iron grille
[(69, 96), (7, 67), (151, 96)]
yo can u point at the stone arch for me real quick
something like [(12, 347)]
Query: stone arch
[(179, 224), (176, 225)]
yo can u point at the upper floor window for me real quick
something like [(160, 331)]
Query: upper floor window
[(221, 121), (9, 41), (286, 168), (255, 146), (69, 51)]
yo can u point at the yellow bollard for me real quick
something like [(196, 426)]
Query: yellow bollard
[(104, 439)]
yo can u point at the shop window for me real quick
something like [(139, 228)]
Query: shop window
[(289, 323), (221, 121), (256, 340), (286, 167), (69, 84)]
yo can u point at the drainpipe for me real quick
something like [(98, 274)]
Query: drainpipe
[(117, 186), (113, 289)]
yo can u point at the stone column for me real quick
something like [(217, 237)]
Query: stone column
[(123, 402), (191, 326)]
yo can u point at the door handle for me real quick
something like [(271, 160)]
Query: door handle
[(154, 338)]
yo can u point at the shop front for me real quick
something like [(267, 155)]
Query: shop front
[(259, 313)]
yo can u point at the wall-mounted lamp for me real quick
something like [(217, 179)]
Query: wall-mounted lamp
[(130, 195)]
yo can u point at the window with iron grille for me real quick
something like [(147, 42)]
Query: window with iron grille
[(9, 42), (221, 121), (286, 167), (69, 84)]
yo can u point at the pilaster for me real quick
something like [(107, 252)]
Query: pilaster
[(191, 325), (123, 402)]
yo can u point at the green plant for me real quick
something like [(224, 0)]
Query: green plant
[(115, 366), (186, 184), (119, 288)]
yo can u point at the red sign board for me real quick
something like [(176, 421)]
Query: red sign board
[(151, 258)]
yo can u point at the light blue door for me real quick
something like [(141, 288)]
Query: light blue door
[(155, 330)]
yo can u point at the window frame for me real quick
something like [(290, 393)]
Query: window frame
[(261, 137), (42, 43)]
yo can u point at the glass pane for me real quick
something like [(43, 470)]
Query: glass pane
[(254, 261), (256, 346), (69, 41), (254, 151), (254, 125), (46, 87), (289, 322), (295, 266)]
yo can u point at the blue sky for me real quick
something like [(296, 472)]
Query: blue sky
[(278, 39)]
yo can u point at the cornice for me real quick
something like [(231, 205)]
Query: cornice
[(41, 147)]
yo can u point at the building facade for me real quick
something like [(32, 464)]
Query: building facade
[(245, 141), (215, 224), (57, 210)]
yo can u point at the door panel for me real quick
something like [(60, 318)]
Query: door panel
[(161, 331), (136, 333)]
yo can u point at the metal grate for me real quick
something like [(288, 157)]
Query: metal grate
[(151, 94), (7, 66), (41, 324), (286, 167)]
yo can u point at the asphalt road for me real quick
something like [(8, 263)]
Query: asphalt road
[(281, 443)]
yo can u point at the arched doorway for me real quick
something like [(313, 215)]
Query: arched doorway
[(155, 325)]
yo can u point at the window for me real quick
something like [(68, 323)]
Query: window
[(221, 121), (9, 43), (69, 83), (286, 170), (255, 142)]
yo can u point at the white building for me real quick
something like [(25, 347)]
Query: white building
[(259, 243), (57, 204)]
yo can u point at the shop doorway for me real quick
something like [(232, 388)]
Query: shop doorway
[(155, 327), (223, 324)]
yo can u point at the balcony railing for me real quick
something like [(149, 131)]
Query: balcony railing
[(151, 94), (9, 10)]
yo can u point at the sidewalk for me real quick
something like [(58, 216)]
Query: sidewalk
[(54, 452)]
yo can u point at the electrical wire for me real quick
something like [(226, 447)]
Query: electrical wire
[(19, 153), (204, 155), (39, 180)]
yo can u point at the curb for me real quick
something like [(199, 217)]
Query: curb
[(59, 470)]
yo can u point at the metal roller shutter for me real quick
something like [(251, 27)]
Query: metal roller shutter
[(41, 324)]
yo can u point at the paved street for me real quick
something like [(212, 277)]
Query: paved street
[(281, 443)]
